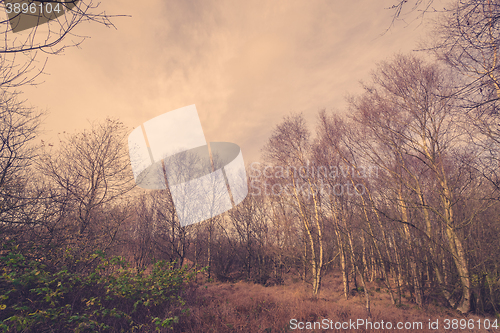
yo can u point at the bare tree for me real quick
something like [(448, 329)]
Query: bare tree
[(467, 38), (90, 176), (18, 128), (19, 50), (408, 115), (288, 147), (171, 240)]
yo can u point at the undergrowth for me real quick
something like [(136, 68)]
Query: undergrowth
[(110, 297)]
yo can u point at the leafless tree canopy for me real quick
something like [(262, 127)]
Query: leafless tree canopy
[(400, 195), (22, 52)]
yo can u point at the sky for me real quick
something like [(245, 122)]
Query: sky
[(244, 64)]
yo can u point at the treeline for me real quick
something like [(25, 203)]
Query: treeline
[(403, 189)]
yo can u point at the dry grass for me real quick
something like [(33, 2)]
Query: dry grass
[(247, 307)]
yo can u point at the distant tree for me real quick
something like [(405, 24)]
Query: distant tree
[(467, 37)]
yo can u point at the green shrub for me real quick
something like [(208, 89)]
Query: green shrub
[(109, 298)]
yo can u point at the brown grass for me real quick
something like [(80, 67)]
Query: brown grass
[(248, 307)]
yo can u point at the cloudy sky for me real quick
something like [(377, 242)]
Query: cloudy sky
[(245, 64)]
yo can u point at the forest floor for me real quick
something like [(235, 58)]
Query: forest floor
[(247, 307)]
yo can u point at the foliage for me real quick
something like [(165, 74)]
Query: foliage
[(109, 298)]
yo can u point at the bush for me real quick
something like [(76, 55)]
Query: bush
[(109, 298)]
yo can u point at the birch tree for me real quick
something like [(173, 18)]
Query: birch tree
[(289, 147), (407, 111)]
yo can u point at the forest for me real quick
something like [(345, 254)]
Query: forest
[(392, 204)]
